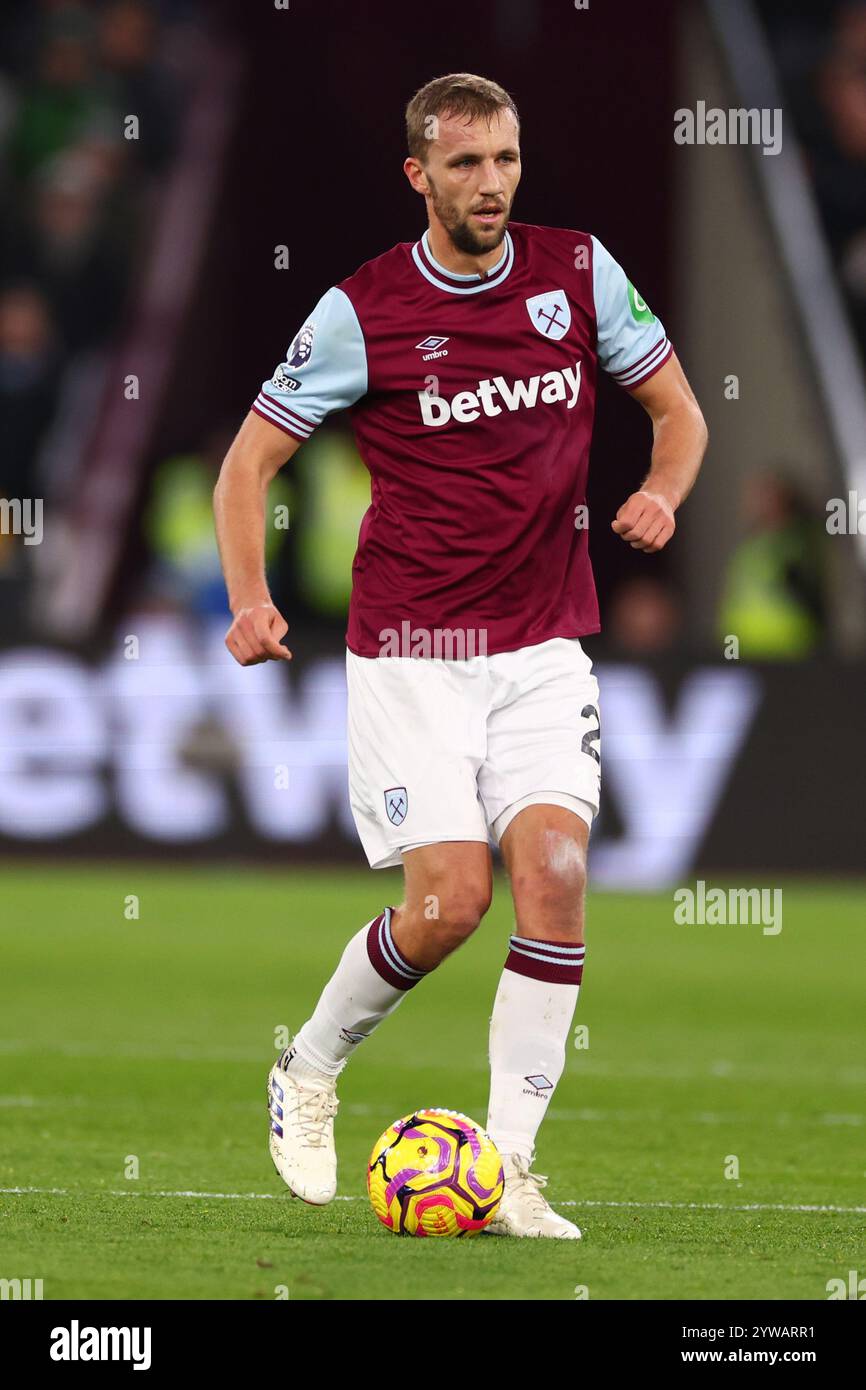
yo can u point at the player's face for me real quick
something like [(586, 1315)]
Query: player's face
[(470, 178)]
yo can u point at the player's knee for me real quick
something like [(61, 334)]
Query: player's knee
[(459, 910), (555, 885)]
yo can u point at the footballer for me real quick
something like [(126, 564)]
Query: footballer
[(467, 361)]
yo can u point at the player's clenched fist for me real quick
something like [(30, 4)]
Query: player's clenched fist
[(255, 635), (646, 521)]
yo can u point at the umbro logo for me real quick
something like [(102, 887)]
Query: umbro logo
[(432, 347), (352, 1037), (539, 1085)]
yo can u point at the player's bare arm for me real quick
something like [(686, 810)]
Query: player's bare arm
[(646, 519), (256, 456)]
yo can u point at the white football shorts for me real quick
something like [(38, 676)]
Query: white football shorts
[(452, 750)]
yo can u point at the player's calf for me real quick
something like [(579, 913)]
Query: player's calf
[(372, 978), (545, 853)]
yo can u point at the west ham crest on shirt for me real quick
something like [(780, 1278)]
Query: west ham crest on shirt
[(396, 804), (550, 313)]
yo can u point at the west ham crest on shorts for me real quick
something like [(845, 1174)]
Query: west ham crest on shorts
[(396, 804), (550, 313)]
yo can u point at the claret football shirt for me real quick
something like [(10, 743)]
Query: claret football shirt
[(471, 398)]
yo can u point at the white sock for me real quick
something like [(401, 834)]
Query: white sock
[(531, 1022), (373, 976)]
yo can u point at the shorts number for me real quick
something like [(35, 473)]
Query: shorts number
[(592, 735)]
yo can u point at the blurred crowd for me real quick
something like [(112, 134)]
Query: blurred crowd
[(773, 604), (76, 180), (821, 52)]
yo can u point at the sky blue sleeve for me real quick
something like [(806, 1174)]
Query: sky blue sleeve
[(325, 369), (632, 343)]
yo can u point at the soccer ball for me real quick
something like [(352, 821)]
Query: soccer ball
[(435, 1173)]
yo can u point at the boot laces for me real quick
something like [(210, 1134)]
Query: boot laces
[(315, 1108), (530, 1185)]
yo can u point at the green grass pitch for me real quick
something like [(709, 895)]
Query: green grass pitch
[(147, 1042)]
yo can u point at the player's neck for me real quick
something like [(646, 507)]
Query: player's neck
[(443, 250)]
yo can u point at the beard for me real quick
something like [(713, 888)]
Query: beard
[(462, 234)]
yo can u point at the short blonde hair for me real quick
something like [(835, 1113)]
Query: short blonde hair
[(458, 94)]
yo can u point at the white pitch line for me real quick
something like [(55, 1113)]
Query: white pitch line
[(723, 1206), (281, 1196)]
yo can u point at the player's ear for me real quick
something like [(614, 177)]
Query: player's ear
[(416, 176)]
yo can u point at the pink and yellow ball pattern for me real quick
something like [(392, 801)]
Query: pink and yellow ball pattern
[(435, 1173)]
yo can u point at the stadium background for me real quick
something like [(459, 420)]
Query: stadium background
[(140, 309)]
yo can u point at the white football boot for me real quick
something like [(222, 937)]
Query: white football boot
[(302, 1135), (523, 1211)]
